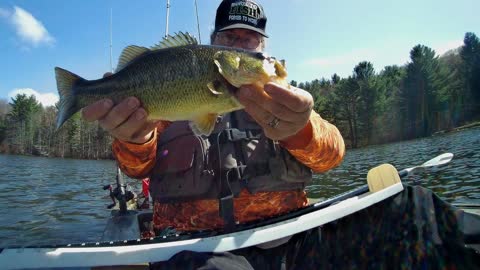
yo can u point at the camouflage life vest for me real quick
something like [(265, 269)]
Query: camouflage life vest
[(235, 156)]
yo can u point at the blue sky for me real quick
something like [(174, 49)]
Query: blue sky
[(316, 37)]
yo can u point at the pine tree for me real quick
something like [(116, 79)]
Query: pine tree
[(22, 122), (470, 53), (364, 75), (422, 91)]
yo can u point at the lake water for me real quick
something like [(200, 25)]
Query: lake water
[(52, 201)]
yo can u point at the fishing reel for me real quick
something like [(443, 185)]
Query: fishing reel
[(116, 194), (122, 193)]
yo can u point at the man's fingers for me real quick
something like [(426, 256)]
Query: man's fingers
[(250, 92), (281, 112), (261, 116), (296, 99), (266, 106), (126, 120), (97, 110), (120, 113), (135, 128)]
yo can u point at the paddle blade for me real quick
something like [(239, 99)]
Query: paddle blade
[(439, 160), (381, 177)]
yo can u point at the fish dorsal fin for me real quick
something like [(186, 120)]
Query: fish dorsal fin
[(129, 54), (179, 39)]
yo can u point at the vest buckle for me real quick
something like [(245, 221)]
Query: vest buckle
[(233, 134)]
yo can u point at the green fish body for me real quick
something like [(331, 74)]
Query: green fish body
[(175, 80)]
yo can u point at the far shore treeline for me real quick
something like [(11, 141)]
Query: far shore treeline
[(427, 95)]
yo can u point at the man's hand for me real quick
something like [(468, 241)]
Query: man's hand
[(126, 120), (280, 111)]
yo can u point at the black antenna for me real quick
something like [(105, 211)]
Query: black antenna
[(198, 24)]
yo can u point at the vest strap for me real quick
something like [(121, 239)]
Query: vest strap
[(225, 201), (234, 134)]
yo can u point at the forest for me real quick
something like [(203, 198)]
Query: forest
[(429, 94)]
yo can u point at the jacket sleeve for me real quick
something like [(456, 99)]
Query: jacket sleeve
[(137, 160), (319, 145)]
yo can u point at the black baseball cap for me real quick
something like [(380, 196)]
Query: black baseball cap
[(245, 14)]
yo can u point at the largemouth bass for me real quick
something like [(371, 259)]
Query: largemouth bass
[(174, 80)]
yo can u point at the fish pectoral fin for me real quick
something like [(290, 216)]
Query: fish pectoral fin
[(179, 39), (204, 124), (128, 55)]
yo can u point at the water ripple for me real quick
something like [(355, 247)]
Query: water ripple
[(456, 182)]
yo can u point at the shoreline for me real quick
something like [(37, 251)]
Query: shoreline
[(460, 128)]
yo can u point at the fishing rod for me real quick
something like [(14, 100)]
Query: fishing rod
[(111, 64), (120, 194), (168, 13)]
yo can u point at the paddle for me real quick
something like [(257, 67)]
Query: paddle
[(382, 177), (386, 175), (434, 162)]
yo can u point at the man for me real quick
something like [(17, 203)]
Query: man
[(259, 173)]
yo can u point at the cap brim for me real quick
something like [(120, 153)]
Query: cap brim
[(243, 26)]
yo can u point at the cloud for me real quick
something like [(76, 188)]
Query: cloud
[(47, 99), (449, 45), (27, 27), (342, 64), (352, 58)]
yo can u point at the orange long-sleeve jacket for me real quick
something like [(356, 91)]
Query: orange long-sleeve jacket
[(319, 146)]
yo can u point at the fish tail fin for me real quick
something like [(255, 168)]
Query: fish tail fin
[(67, 104)]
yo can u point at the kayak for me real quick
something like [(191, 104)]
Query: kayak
[(121, 243)]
